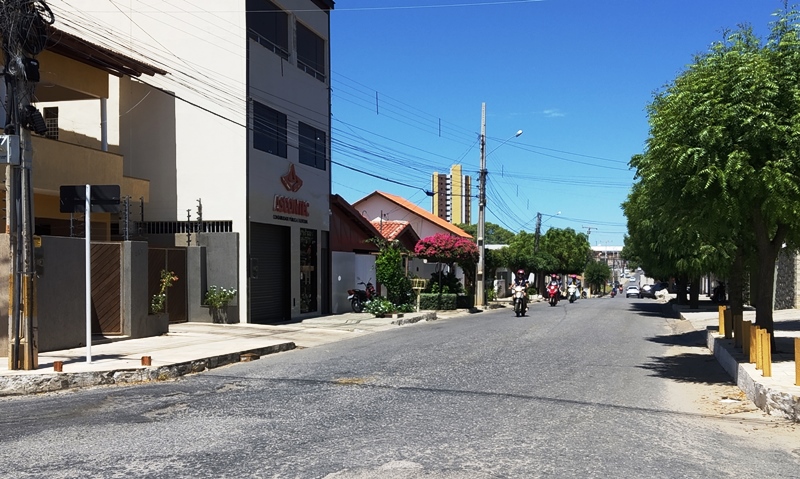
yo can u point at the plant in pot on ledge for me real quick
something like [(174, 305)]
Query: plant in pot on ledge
[(217, 300), (158, 303)]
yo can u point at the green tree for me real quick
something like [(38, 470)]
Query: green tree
[(570, 249), (725, 138), (494, 234), (596, 274), (389, 272)]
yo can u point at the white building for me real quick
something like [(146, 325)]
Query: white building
[(240, 124)]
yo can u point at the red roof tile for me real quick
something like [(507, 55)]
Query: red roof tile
[(390, 229)]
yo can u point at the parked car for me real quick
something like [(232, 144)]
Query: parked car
[(650, 290), (632, 290)]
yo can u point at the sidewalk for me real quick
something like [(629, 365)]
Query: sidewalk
[(190, 348), (776, 395)]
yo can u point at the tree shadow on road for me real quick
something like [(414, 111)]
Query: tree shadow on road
[(689, 368)]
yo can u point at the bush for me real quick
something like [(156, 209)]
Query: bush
[(379, 307), (466, 301), (437, 301), (449, 283)]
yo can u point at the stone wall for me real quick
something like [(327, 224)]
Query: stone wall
[(786, 288)]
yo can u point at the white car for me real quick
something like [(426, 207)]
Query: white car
[(632, 290)]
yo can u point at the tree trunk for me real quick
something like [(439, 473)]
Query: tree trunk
[(768, 250), (736, 284), (681, 293), (694, 294)]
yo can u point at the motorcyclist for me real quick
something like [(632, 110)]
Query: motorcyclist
[(521, 280)]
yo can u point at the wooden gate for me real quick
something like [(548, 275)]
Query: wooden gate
[(169, 259), (106, 288)]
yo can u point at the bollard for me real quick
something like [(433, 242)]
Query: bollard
[(759, 344), (797, 361), (737, 330), (746, 339), (58, 366), (147, 360), (722, 320), (766, 349), (728, 320), (752, 345)]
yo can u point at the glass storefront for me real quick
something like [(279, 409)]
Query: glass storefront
[(308, 270)]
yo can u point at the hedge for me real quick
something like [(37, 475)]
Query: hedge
[(437, 301)]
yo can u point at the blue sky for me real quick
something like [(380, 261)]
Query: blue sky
[(409, 77)]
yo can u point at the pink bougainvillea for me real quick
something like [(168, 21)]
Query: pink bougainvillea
[(445, 248)]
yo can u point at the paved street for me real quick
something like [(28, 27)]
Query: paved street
[(599, 388)]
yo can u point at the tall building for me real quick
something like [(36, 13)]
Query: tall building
[(452, 199), (236, 121)]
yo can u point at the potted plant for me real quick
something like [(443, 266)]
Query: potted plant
[(217, 300), (158, 305)]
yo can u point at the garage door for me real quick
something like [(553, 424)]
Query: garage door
[(270, 277)]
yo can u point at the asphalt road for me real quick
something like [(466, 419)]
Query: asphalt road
[(598, 388)]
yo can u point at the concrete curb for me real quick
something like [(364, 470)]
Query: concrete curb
[(40, 383), (772, 401), (415, 318)]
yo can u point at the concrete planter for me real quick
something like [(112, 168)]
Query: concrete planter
[(154, 325)]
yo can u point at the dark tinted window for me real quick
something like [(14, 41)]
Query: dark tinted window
[(310, 53), (269, 130), (268, 25), (312, 145)]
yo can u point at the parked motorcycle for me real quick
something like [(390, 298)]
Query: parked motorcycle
[(518, 295), (572, 293), (553, 293), (358, 297)]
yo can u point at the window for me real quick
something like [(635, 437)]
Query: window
[(51, 121), (312, 146), (310, 53), (268, 25), (269, 130)]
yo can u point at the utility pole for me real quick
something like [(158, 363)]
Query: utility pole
[(23, 27), (479, 280)]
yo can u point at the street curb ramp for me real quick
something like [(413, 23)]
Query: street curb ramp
[(50, 382)]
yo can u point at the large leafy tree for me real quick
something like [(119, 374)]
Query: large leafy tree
[(494, 234), (569, 248), (723, 148)]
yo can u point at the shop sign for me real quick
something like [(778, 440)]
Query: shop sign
[(291, 181), (290, 206)]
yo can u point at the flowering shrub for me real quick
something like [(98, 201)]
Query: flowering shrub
[(159, 301), (217, 297), (379, 307), (444, 248)]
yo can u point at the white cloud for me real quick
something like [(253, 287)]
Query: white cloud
[(553, 113)]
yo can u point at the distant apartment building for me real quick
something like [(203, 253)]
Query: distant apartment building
[(451, 200)]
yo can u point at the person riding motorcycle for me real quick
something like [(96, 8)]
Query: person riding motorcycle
[(521, 280)]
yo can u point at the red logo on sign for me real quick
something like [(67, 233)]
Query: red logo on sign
[(291, 181)]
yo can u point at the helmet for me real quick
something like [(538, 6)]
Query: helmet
[(520, 271)]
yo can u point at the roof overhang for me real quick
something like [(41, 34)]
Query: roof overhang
[(110, 61)]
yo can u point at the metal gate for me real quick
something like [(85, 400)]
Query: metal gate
[(169, 259), (106, 288), (270, 275)]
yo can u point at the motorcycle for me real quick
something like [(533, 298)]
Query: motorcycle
[(613, 292), (518, 294), (572, 293), (553, 294), (358, 297)]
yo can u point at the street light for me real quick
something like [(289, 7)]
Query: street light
[(479, 273)]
